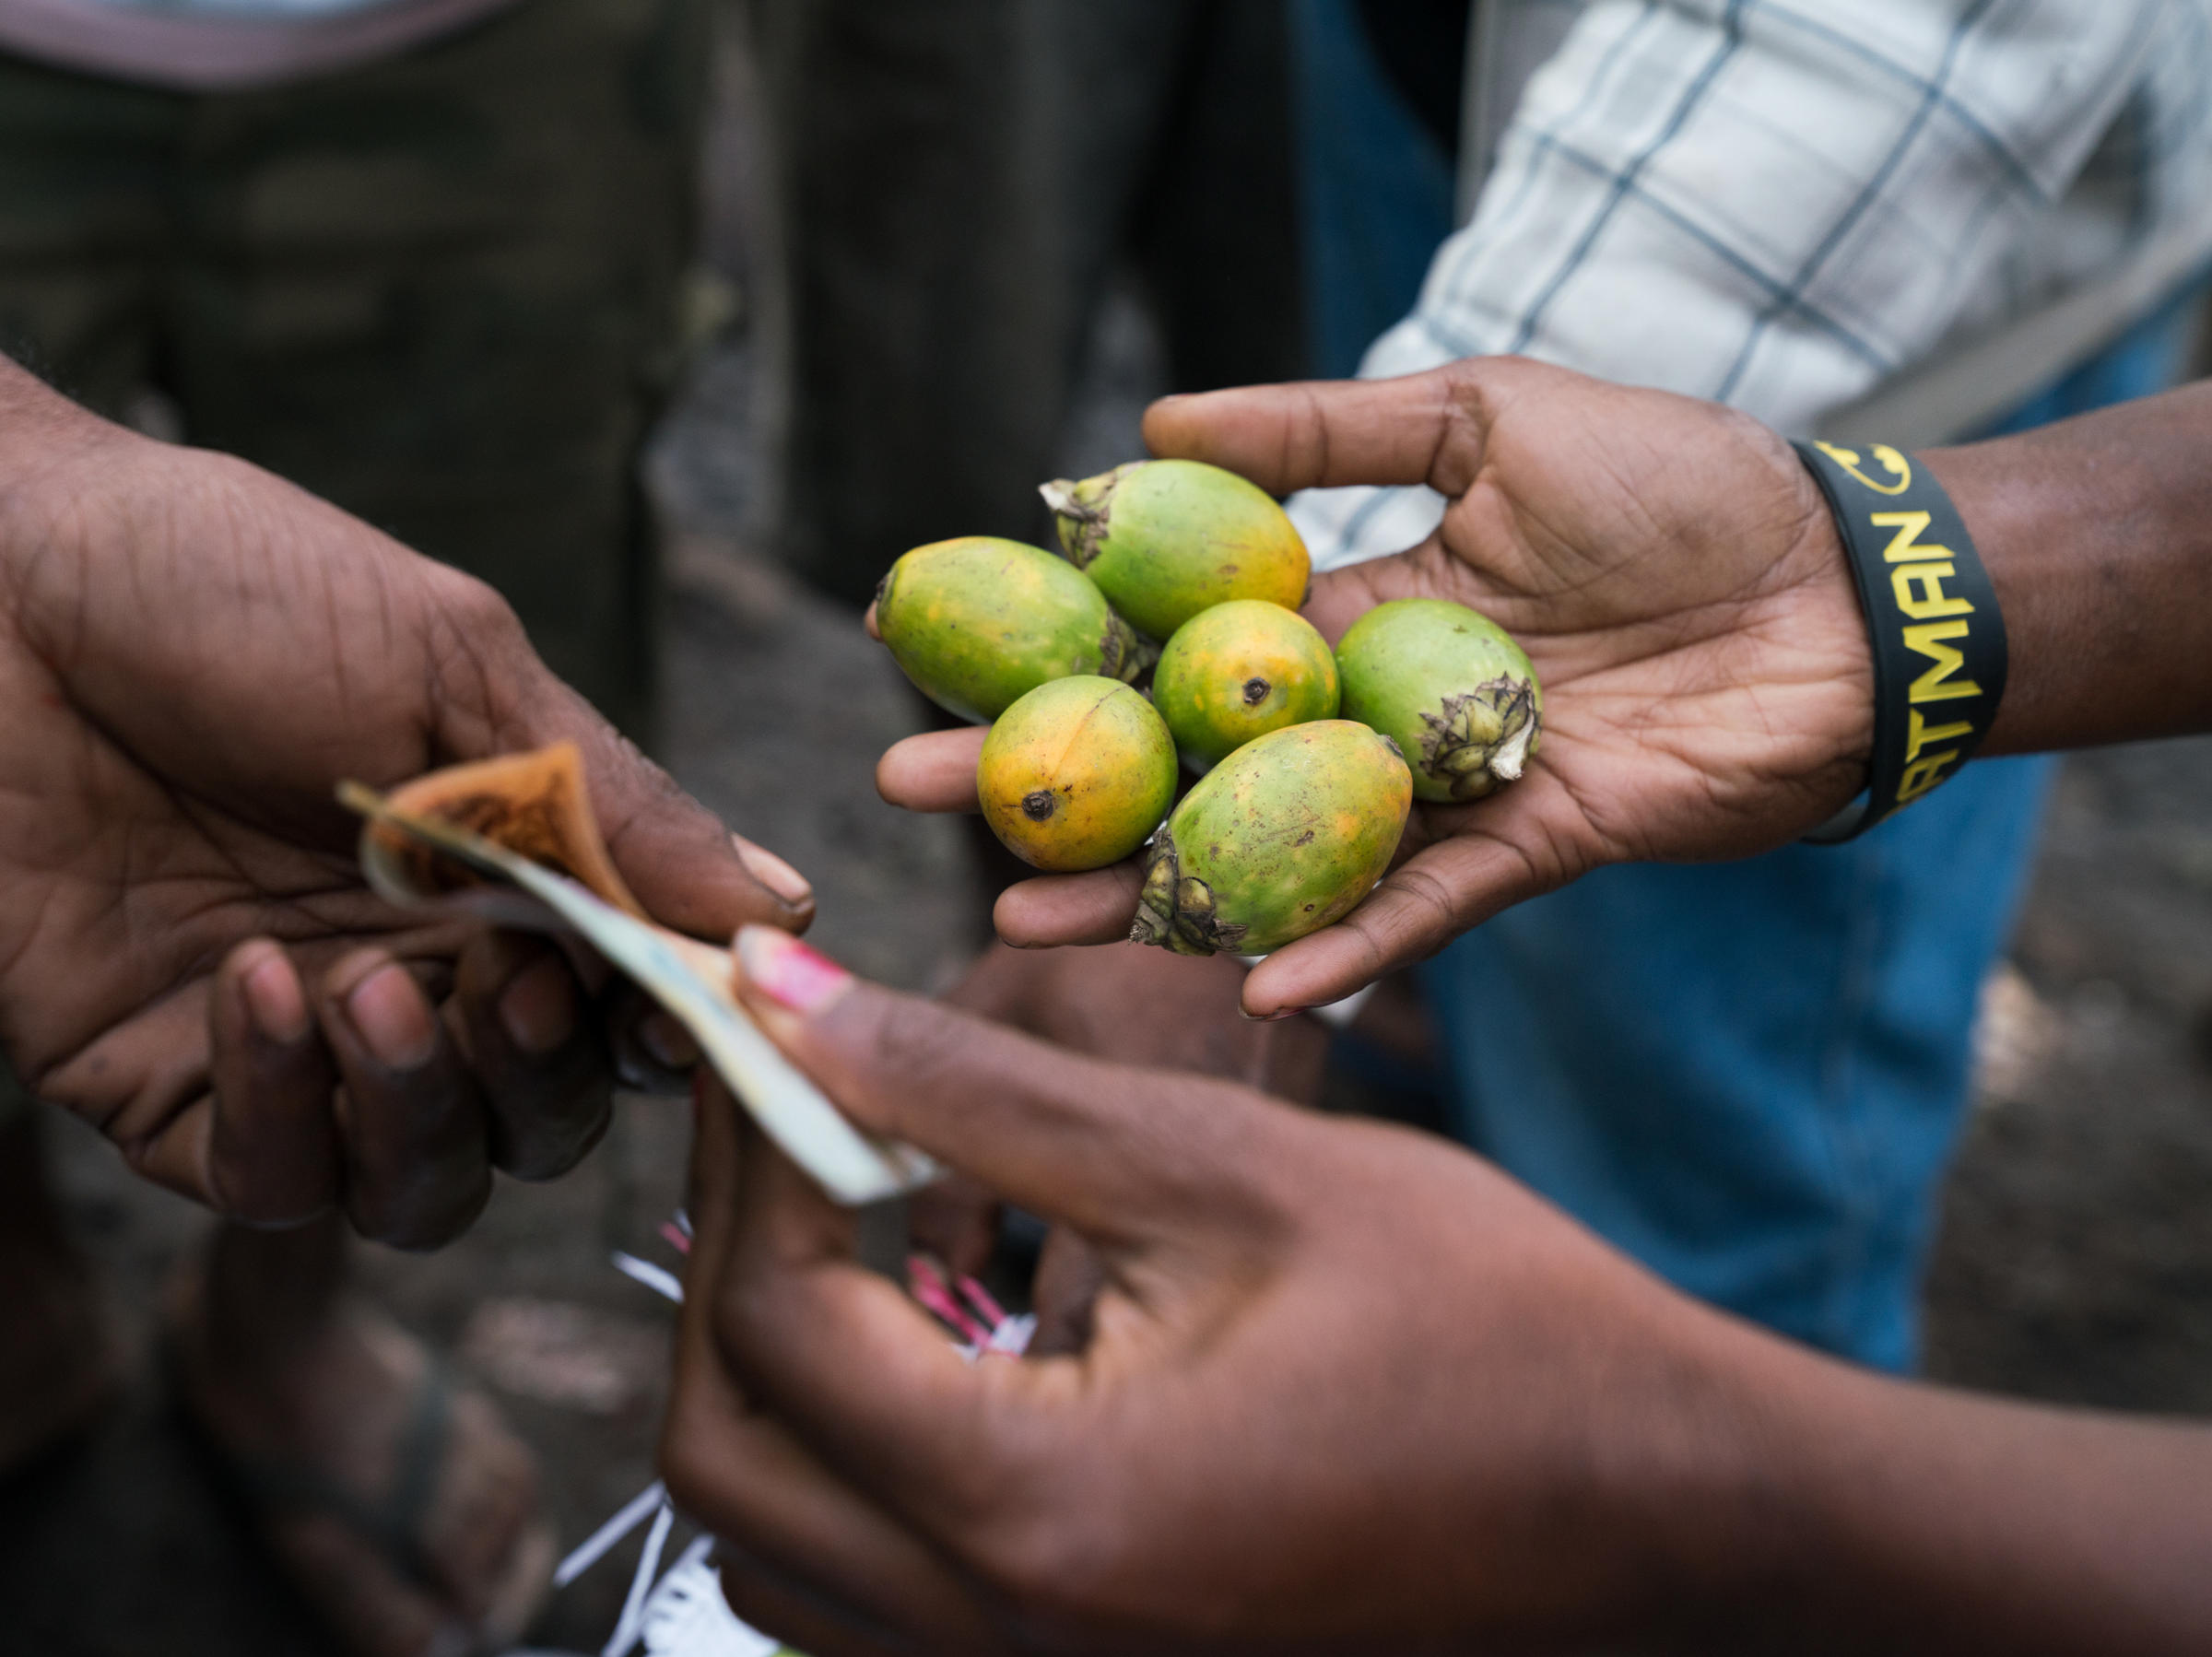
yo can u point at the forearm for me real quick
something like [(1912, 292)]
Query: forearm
[(1906, 1518), (2098, 533)]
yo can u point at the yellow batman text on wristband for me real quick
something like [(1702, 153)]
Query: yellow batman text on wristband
[(1932, 621)]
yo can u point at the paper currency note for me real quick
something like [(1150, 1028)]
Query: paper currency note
[(432, 844)]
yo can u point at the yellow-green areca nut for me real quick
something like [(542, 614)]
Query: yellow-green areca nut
[(1284, 836), (978, 622), (1450, 686), (1165, 539), (1077, 773), (1237, 672)]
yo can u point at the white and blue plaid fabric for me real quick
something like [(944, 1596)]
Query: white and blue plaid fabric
[(1779, 204)]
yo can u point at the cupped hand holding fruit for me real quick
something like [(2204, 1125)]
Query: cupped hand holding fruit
[(1668, 566)]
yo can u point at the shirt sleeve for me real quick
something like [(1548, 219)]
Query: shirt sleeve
[(1773, 204)]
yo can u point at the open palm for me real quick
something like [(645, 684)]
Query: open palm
[(1667, 564)]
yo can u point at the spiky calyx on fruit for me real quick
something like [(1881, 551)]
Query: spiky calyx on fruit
[(1451, 686)]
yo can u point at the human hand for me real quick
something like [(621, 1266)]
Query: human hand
[(1144, 1007), (1669, 567), (193, 655), (1337, 1384), (1132, 1005)]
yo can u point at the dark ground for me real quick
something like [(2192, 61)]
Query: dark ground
[(2076, 1260)]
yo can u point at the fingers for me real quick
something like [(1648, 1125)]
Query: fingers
[(1092, 908), (817, 1563), (1001, 984), (1419, 907), (776, 875), (671, 851), (933, 771), (1112, 1150), (867, 1379), (534, 1051), (652, 1051), (805, 1556), (797, 1616), (936, 771), (409, 1141), (413, 1128), (688, 871), (274, 1156), (1421, 429), (1070, 1276), (957, 1220)]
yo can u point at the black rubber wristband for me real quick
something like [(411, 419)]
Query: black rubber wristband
[(1932, 619)]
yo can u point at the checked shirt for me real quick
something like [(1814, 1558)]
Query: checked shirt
[(1779, 204)]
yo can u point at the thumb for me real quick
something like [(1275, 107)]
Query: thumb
[(689, 872), (1114, 1151), (1419, 428)]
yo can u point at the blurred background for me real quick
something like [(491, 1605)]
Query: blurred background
[(892, 329)]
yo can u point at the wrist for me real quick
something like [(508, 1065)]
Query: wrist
[(1822, 566), (1721, 1503), (1935, 633), (2097, 533)]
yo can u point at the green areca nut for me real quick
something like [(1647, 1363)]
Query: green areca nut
[(978, 622), (1450, 686), (1165, 539), (1282, 838), (1077, 773), (1237, 672)]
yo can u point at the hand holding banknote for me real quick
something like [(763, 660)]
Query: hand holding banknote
[(193, 655), (1322, 1384), (1326, 1385)]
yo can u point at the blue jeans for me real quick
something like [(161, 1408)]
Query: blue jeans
[(1749, 1076), (1374, 189)]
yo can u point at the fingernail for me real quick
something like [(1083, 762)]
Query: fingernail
[(785, 969), (669, 1043), (773, 872), (1275, 1018), (538, 1009), (392, 1018), (276, 1002)]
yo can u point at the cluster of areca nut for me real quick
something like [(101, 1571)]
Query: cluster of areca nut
[(1169, 629)]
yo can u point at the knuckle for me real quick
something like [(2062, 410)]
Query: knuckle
[(422, 1223), (475, 639), (1046, 1531), (476, 607), (1061, 1562), (750, 1305), (686, 1466), (917, 1043), (549, 1156)]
